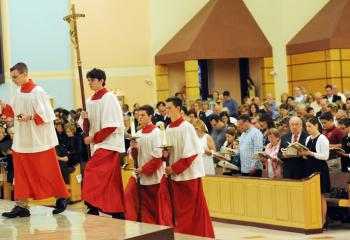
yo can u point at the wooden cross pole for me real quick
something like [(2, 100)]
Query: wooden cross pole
[(72, 20)]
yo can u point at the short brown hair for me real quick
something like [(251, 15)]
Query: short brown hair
[(70, 126), (20, 67), (232, 131), (273, 131)]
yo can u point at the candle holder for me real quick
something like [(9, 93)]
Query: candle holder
[(133, 137)]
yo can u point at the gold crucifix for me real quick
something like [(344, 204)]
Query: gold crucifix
[(72, 21)]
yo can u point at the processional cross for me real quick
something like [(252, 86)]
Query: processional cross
[(72, 21)]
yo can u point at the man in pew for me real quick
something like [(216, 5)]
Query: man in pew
[(146, 150), (37, 174), (251, 141), (293, 167), (345, 156), (186, 171), (103, 121)]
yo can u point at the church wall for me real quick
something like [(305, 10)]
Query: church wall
[(122, 37), (35, 33), (176, 77), (115, 36), (280, 21), (224, 75)]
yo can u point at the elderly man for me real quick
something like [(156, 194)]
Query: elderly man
[(293, 167), (316, 105), (299, 97), (336, 92)]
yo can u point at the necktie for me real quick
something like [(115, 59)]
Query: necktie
[(295, 138)]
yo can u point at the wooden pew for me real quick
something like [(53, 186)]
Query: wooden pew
[(74, 188), (339, 180), (289, 205)]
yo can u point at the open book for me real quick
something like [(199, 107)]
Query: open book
[(221, 156), (293, 149), (336, 149), (227, 165), (259, 155)]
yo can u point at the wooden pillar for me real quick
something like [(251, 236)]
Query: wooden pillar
[(192, 81), (345, 69), (268, 80), (162, 79)]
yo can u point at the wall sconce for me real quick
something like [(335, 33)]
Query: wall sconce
[(273, 72), (149, 82)]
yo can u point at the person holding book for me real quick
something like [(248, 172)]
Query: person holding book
[(273, 166), (316, 159), (333, 134), (293, 166), (345, 154)]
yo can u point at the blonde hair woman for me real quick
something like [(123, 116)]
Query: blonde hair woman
[(208, 145)]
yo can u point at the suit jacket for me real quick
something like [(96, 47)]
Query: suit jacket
[(295, 167), (159, 118), (335, 98)]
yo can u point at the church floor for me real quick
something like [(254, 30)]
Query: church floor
[(72, 224)]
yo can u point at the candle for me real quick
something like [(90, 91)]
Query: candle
[(132, 126), (163, 135)]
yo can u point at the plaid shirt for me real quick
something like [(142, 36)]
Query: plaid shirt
[(251, 141)]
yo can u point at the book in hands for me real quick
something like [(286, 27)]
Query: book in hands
[(228, 165), (293, 150), (222, 156), (298, 146), (336, 149), (260, 155)]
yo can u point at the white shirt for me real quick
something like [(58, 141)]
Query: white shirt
[(185, 143), (30, 137), (148, 147), (103, 113), (322, 147)]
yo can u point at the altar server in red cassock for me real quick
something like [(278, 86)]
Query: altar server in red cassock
[(37, 173), (102, 183), (150, 171), (186, 169)]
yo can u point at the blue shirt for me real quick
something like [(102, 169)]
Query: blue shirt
[(232, 107), (251, 141)]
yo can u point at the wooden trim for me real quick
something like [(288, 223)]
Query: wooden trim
[(326, 61), (311, 79), (166, 234), (267, 179), (269, 226)]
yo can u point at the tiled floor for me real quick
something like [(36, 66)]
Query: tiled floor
[(75, 225), (231, 231)]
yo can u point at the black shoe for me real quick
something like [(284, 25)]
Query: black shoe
[(17, 212), (93, 211), (325, 226), (61, 205), (118, 215)]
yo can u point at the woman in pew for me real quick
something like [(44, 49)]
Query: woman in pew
[(6, 152), (316, 159), (74, 146), (231, 143), (273, 165), (208, 145)]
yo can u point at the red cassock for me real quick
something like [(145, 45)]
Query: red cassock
[(102, 185), (38, 176), (149, 210), (192, 215)]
